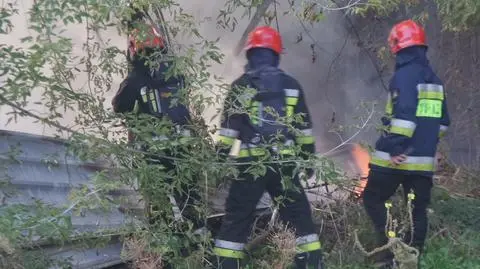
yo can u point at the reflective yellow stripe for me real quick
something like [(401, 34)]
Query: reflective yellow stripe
[(287, 152), (226, 140), (402, 127), (143, 92), (389, 105), (304, 140), (430, 91), (430, 95), (254, 110), (401, 131), (153, 101), (290, 111), (255, 152), (406, 166), (308, 247), (229, 253), (425, 164), (251, 152), (291, 101)]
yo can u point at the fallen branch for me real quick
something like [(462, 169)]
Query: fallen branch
[(405, 255)]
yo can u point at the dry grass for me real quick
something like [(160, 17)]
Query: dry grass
[(8, 257), (458, 180), (282, 249), (284, 244), (135, 250), (5, 246)]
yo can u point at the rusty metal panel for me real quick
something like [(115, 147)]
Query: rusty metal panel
[(35, 178)]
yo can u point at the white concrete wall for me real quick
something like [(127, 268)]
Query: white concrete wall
[(331, 88)]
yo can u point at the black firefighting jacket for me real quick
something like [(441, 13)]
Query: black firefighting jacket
[(416, 116), (264, 88), (144, 91)]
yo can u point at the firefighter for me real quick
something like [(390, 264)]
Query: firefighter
[(147, 91), (416, 118), (256, 129)]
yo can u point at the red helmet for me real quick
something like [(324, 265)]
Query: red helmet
[(406, 34), (152, 39), (265, 37)]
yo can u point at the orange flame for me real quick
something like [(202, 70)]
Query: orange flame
[(361, 158)]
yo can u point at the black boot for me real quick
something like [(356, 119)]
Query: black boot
[(309, 260)]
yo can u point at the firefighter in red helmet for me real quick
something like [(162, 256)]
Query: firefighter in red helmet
[(416, 117), (147, 92), (151, 41), (257, 131)]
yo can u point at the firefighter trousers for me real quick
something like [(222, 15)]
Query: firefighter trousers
[(381, 186), (295, 212)]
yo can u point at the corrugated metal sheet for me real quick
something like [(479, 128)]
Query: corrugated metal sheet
[(34, 179)]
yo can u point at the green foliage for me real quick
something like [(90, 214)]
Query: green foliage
[(381, 7), (456, 15), (446, 252), (459, 15), (47, 64), (37, 222), (453, 240), (457, 212)]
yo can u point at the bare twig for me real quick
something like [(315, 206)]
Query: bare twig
[(261, 9), (349, 5), (352, 137), (357, 34)]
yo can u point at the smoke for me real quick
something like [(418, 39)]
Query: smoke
[(336, 74), (325, 58)]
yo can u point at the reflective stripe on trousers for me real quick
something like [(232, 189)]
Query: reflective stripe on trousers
[(250, 150), (412, 163), (229, 249), (308, 243)]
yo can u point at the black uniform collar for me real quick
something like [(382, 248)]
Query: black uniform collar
[(260, 58), (415, 54)]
